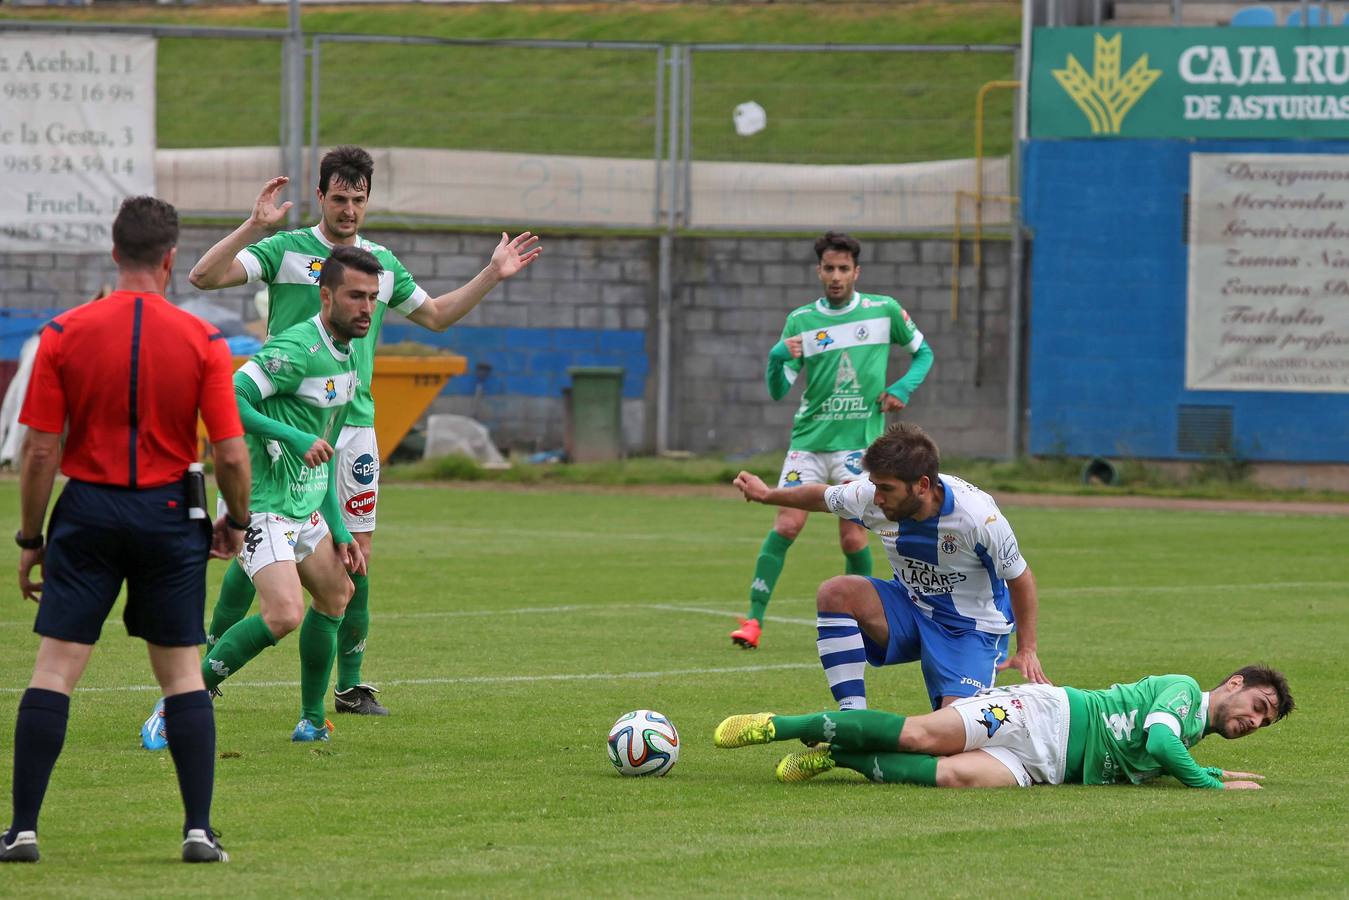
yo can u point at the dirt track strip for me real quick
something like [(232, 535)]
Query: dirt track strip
[(1084, 501)]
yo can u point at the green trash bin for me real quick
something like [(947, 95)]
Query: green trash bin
[(594, 422)]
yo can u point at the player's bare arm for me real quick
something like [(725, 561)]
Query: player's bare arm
[(218, 267), (809, 497), (511, 257), (1025, 610)]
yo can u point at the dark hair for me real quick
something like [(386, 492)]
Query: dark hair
[(1263, 676), (334, 271), (837, 240), (145, 229), (905, 452), (350, 165)]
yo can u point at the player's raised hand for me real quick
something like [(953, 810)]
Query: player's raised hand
[(794, 346), (1240, 786), (319, 452), (513, 255), (1027, 662), (27, 560), (266, 213), (352, 558), (1247, 776), (752, 486), (889, 402)]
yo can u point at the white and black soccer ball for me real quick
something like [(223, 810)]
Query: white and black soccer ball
[(643, 742)]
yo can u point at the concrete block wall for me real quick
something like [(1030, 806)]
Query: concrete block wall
[(731, 298)]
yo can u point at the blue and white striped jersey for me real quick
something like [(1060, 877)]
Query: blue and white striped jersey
[(955, 565)]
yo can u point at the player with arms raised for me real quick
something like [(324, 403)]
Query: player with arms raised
[(289, 263), (841, 343), (1035, 734)]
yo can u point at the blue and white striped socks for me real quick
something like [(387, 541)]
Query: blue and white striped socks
[(843, 658)]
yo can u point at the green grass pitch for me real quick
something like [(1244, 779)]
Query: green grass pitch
[(512, 626)]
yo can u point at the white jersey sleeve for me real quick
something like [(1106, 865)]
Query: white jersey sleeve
[(852, 500), (995, 535)]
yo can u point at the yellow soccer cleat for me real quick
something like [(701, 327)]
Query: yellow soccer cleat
[(741, 731), (804, 765)]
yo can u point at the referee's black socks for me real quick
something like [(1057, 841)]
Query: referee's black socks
[(39, 734), (189, 722)]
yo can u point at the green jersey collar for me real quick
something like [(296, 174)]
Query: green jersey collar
[(333, 347), (822, 306)]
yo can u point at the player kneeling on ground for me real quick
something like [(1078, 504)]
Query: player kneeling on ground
[(293, 397), (1033, 734)]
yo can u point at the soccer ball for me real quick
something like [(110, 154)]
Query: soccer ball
[(643, 743)]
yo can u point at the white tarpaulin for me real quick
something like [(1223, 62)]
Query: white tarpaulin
[(535, 190), (77, 136), (1269, 273)]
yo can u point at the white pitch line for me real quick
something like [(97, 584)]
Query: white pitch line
[(721, 612), (472, 679)]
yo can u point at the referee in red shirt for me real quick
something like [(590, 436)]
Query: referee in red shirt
[(125, 377)]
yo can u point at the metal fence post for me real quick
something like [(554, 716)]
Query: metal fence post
[(294, 108), (665, 288), (315, 72)]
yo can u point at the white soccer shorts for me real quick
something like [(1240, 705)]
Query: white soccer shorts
[(834, 467), (1024, 727), (357, 464), (271, 538)]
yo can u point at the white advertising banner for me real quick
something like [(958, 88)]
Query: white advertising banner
[(1269, 273), (77, 136)]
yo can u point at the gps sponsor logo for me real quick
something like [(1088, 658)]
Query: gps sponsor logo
[(948, 544), (992, 718), (365, 468), (853, 462), (362, 504)]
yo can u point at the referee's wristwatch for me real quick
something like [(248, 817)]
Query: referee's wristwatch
[(28, 543), (237, 526)]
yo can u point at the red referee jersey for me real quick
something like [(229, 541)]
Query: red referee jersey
[(127, 374)]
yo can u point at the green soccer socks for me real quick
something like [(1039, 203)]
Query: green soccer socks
[(243, 641), (890, 768), (352, 635), (318, 646), (858, 563), (772, 556), (236, 596), (846, 729)]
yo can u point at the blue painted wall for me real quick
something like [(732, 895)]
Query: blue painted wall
[(1107, 318), (533, 362)]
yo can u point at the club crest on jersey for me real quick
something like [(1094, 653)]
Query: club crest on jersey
[(861, 332), (329, 390), (822, 339), (853, 462), (275, 363), (948, 543), (791, 479), (314, 268), (992, 717)]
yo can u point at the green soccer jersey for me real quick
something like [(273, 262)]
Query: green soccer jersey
[(1120, 718), (844, 354), (307, 382), (289, 263)]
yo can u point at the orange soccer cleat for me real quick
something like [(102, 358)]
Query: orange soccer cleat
[(747, 635)]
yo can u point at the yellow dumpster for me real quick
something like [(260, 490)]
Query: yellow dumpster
[(404, 387)]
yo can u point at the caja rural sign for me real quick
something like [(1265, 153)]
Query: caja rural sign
[(1190, 82)]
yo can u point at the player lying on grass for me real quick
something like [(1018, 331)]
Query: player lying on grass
[(1033, 734)]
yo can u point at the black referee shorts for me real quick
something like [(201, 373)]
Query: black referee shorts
[(100, 536)]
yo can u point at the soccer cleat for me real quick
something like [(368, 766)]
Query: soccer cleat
[(741, 731), (201, 846), (747, 635), (306, 730), (804, 765), (360, 700), (22, 849), (153, 735)]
